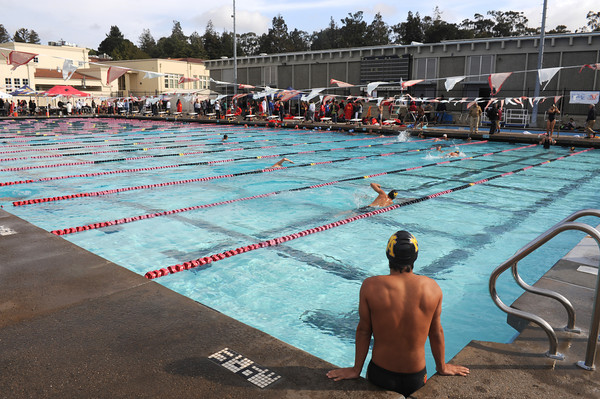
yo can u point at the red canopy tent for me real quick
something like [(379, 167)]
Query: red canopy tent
[(65, 91)]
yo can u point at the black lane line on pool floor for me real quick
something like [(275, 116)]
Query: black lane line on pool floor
[(272, 242), (201, 179), (97, 225), (104, 161)]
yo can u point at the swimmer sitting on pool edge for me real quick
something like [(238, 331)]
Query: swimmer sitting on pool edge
[(383, 199)]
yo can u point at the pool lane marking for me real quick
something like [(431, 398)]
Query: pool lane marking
[(173, 183), (99, 225), (186, 164), (111, 172), (103, 161), (276, 241), (267, 134)]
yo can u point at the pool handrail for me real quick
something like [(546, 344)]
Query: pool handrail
[(564, 225)]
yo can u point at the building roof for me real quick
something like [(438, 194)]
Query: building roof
[(54, 74)]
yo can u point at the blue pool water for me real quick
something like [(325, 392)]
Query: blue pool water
[(305, 291)]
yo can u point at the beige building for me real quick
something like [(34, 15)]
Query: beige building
[(135, 83), (45, 72)]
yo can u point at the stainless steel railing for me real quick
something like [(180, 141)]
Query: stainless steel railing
[(564, 225)]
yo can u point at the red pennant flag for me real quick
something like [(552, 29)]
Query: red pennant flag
[(411, 83), (114, 73), (595, 67), (18, 58), (186, 80), (340, 83), (496, 80)]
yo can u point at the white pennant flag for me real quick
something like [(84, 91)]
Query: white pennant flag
[(451, 82), (313, 93), (68, 69), (372, 86), (546, 75), (152, 75)]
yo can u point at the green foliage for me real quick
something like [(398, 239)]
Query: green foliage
[(593, 21), (23, 35), (4, 36)]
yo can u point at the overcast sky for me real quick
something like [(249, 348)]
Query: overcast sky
[(86, 23)]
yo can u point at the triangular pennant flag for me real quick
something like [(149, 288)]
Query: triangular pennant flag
[(469, 105), (450, 82), (547, 74), (183, 80), (595, 67), (152, 75), (243, 86), (372, 86), (492, 100), (18, 58), (556, 99), (496, 80), (287, 94), (68, 69), (114, 73), (339, 83), (411, 83), (313, 93)]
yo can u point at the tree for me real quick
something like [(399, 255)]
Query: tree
[(277, 39), (211, 41), (436, 29), (509, 23), (196, 46), (248, 44), (4, 36), (21, 35), (479, 27), (593, 21), (378, 32), (327, 38), (33, 37), (112, 40), (119, 48), (147, 43), (353, 31), (559, 29), (409, 31), (176, 45), (299, 40)]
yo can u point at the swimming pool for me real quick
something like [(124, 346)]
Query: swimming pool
[(303, 291)]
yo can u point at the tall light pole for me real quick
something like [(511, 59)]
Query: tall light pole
[(536, 93), (235, 77)]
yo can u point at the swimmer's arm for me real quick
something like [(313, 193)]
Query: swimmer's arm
[(438, 347), (377, 188), (363, 340)]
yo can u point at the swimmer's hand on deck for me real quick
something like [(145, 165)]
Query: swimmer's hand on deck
[(453, 369), (343, 374)]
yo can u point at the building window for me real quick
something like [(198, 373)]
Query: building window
[(426, 68), (172, 81), (35, 59), (195, 85), (8, 84), (25, 82), (479, 67), (17, 82)]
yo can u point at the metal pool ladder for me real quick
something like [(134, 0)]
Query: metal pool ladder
[(566, 224)]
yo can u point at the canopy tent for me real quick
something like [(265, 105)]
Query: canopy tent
[(67, 91), (24, 91), (4, 95)]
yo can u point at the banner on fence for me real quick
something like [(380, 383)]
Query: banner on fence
[(584, 97)]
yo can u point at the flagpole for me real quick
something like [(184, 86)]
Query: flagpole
[(536, 93), (235, 77)]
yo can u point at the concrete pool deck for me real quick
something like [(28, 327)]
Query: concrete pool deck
[(76, 325)]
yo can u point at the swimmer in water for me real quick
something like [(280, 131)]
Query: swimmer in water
[(383, 199), (280, 162), (444, 137), (453, 154), (225, 137)]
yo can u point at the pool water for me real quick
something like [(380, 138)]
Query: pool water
[(304, 291)]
